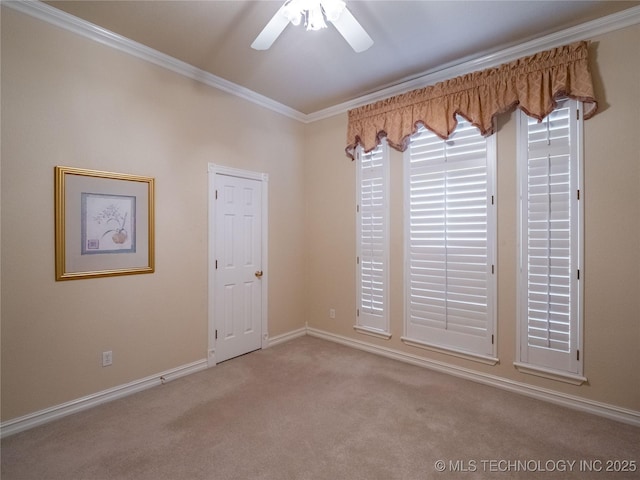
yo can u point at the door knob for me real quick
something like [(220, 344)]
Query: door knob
[(259, 274)]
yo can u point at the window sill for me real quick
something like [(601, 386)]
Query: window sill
[(373, 332), (486, 359), (565, 377)]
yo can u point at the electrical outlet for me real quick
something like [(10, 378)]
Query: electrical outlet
[(107, 358), (332, 313)]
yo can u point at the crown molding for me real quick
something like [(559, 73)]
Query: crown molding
[(61, 19), (483, 60)]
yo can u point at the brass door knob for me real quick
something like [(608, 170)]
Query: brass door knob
[(259, 274)]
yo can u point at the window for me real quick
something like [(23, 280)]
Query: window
[(373, 241), (550, 192), (450, 242)]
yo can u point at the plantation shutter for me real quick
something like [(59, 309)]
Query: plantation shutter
[(550, 240), (372, 240), (450, 236)]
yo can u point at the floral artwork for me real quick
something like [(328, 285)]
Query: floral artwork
[(108, 223), (104, 223)]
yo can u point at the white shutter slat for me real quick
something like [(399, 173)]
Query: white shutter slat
[(549, 230), (372, 240), (448, 241), (549, 207)]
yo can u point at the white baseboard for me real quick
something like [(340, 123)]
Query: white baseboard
[(41, 417), (285, 337), (613, 412), (58, 411)]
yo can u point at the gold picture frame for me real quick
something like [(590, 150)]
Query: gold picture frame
[(104, 223)]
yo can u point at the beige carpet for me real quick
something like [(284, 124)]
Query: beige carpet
[(311, 409)]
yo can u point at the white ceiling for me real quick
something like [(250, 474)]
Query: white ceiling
[(313, 71)]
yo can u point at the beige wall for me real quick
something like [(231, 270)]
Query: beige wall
[(67, 100), (612, 233), (70, 101)]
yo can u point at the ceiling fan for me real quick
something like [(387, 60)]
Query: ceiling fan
[(313, 13)]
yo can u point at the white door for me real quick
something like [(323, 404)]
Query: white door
[(238, 273)]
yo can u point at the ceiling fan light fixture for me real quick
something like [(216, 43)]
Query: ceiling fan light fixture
[(314, 13), (315, 19)]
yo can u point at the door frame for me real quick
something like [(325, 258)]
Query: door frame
[(215, 169)]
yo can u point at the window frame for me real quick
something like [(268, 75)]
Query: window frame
[(369, 323), (562, 366), (488, 355)]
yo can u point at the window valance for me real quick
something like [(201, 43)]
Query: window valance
[(531, 83)]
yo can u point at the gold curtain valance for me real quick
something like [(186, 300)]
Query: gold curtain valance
[(531, 83)]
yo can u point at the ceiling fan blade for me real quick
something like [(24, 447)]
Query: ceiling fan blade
[(352, 31), (271, 31)]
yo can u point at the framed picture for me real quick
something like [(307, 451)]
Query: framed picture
[(104, 223)]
